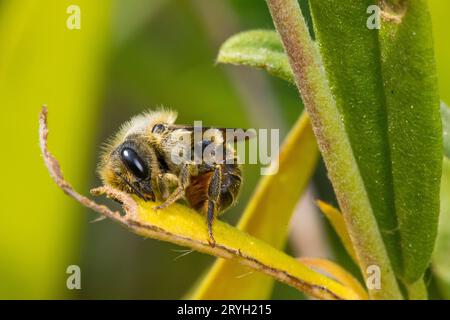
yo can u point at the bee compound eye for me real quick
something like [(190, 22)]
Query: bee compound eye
[(134, 163), (158, 128)]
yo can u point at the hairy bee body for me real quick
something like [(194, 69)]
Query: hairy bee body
[(142, 160)]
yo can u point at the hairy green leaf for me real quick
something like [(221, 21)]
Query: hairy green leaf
[(384, 84), (259, 49)]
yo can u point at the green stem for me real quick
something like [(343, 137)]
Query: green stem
[(334, 144), (417, 290)]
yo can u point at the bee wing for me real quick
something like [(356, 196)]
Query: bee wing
[(228, 134)]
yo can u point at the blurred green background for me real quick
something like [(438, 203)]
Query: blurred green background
[(127, 57)]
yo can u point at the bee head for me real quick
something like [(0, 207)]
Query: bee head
[(128, 167), (128, 159)]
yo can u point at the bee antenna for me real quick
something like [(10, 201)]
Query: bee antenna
[(136, 190)]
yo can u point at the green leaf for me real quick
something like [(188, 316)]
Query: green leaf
[(363, 68), (259, 49), (445, 114), (384, 84)]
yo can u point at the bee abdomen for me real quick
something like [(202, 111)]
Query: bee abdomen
[(231, 185), (197, 192)]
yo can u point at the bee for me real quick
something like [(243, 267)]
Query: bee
[(142, 160)]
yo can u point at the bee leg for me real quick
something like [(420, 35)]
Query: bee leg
[(173, 197), (183, 182), (209, 220), (162, 187), (213, 197), (165, 183)]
